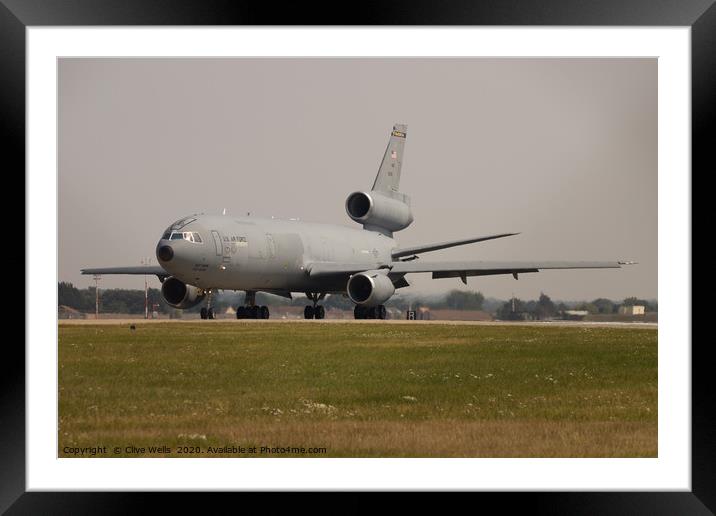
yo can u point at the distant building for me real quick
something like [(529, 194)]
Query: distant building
[(631, 310), (575, 315)]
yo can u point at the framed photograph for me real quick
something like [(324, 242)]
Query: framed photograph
[(198, 129)]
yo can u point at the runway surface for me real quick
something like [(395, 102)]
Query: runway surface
[(544, 324)]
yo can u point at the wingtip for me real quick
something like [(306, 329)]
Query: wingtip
[(628, 262)]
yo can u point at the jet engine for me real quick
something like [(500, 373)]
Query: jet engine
[(373, 209), (370, 288), (180, 295)]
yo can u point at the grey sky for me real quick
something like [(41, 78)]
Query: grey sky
[(562, 150)]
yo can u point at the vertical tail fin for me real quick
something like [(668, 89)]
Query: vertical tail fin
[(388, 178)]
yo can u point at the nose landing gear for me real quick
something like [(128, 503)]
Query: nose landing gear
[(207, 312), (314, 311), (251, 310)]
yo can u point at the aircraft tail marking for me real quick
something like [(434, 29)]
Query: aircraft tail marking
[(388, 178)]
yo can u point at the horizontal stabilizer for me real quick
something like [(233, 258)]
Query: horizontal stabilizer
[(409, 251)]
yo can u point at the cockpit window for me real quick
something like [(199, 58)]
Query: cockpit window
[(190, 236), (174, 230)]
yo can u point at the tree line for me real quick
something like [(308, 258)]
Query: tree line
[(545, 308), (132, 302), (110, 300)]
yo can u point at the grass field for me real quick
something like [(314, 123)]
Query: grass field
[(215, 388)]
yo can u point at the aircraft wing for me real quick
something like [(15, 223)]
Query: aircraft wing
[(462, 269), (144, 269), (458, 269)]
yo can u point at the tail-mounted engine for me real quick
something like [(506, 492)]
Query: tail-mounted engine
[(180, 295), (378, 211)]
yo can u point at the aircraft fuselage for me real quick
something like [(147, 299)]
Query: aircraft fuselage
[(252, 253)]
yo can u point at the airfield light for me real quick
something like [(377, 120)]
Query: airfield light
[(97, 277), (146, 261)]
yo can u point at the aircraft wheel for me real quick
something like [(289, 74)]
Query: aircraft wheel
[(359, 312), (210, 313), (241, 312), (308, 312), (202, 313), (320, 312), (381, 312), (264, 312), (254, 312)]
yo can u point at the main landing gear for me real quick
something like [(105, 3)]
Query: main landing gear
[(370, 312), (250, 310), (207, 312), (314, 311)]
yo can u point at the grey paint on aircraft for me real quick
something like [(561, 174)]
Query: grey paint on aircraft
[(271, 254)]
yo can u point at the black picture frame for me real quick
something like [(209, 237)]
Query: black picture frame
[(17, 15)]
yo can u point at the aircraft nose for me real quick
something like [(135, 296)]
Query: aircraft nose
[(165, 253)]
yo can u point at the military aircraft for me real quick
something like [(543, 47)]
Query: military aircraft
[(201, 254)]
